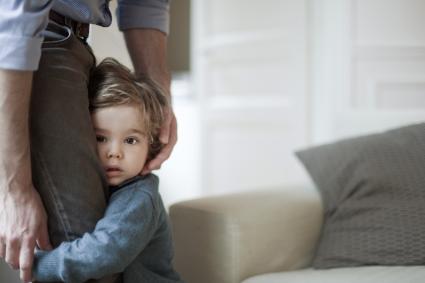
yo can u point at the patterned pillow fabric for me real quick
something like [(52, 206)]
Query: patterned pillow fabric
[(373, 188)]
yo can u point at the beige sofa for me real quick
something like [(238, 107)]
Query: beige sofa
[(262, 237)]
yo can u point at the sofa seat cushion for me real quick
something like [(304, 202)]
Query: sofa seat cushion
[(364, 274)]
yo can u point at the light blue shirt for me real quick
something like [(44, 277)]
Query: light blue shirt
[(22, 22)]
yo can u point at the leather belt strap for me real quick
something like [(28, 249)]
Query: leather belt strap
[(80, 29)]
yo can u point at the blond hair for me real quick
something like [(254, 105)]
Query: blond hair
[(113, 84)]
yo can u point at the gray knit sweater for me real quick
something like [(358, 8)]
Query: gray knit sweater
[(133, 237)]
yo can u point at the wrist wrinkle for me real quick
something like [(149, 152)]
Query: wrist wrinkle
[(15, 171)]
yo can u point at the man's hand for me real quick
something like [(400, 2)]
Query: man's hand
[(148, 52), (168, 137), (23, 221), (24, 224)]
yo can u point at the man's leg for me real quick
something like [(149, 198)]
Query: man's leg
[(66, 171)]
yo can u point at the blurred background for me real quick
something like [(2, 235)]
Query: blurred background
[(255, 80)]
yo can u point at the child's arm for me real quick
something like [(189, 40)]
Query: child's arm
[(124, 231)]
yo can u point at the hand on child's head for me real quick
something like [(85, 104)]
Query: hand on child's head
[(169, 130)]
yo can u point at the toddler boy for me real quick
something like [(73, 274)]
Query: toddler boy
[(134, 236)]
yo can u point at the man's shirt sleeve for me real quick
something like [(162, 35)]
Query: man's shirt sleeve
[(143, 14), (21, 25)]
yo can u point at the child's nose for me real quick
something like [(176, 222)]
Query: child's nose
[(114, 155), (115, 152)]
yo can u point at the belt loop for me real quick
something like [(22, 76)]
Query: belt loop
[(81, 30)]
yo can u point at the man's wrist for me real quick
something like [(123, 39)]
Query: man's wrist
[(16, 184), (148, 52)]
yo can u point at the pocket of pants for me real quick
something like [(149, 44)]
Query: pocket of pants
[(56, 34)]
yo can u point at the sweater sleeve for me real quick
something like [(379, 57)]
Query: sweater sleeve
[(127, 227)]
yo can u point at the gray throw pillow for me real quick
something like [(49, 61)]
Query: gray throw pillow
[(373, 188)]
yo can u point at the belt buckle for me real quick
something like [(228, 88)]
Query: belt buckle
[(78, 31), (76, 28)]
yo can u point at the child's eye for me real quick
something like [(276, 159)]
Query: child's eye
[(101, 139), (131, 140)]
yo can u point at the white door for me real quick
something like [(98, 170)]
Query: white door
[(368, 66), (276, 75), (250, 68)]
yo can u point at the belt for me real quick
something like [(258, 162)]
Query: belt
[(80, 29)]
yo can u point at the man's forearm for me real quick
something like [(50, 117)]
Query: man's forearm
[(15, 157), (23, 219), (148, 52)]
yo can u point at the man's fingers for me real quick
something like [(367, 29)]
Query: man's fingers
[(12, 253), (164, 133), (43, 241), (161, 157), (173, 130), (165, 152), (21, 227), (26, 257), (156, 163)]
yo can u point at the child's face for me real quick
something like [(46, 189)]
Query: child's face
[(122, 143)]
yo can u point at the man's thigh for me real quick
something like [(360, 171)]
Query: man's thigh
[(66, 170)]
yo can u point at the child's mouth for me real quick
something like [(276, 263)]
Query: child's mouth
[(113, 171)]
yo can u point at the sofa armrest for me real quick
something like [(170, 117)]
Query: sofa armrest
[(227, 239)]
